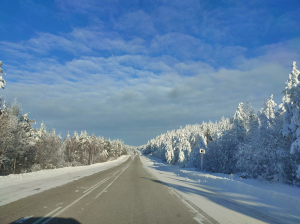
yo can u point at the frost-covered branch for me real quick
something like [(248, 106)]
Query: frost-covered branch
[(2, 81)]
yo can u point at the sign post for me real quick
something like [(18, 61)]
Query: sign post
[(202, 151)]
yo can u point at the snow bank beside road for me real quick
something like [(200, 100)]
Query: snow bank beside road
[(16, 186), (262, 189), (230, 200)]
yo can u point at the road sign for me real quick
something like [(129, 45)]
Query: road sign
[(202, 151)]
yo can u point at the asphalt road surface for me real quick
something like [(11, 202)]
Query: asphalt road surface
[(123, 194)]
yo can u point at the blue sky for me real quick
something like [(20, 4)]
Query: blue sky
[(134, 69)]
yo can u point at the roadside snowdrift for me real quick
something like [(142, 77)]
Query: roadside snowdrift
[(229, 198), (16, 186)]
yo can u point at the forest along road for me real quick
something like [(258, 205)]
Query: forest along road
[(126, 193)]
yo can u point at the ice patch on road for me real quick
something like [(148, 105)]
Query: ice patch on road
[(16, 186)]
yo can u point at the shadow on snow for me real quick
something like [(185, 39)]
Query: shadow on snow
[(227, 199)]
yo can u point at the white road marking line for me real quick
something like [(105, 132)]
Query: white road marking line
[(50, 213), (93, 186), (101, 182), (105, 189), (90, 190), (87, 192), (98, 184), (199, 217)]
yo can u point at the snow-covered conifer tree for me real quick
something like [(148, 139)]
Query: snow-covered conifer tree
[(230, 141), (290, 104), (257, 154), (267, 114), (251, 118), (291, 118), (239, 123), (169, 150)]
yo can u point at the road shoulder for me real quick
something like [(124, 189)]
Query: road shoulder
[(223, 208)]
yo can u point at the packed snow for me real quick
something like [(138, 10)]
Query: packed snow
[(229, 198), (16, 186)]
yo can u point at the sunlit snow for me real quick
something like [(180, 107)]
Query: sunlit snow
[(216, 194), (16, 186)]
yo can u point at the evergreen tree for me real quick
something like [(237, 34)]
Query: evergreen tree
[(290, 105), (239, 123)]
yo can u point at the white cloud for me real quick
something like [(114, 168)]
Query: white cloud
[(81, 41), (102, 94), (118, 86), (139, 23)]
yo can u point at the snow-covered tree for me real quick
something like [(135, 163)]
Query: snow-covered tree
[(49, 149), (290, 108), (23, 149), (290, 105), (68, 148), (251, 118), (267, 114), (2, 81), (169, 155), (10, 138), (84, 139), (256, 145), (239, 123), (16, 140)]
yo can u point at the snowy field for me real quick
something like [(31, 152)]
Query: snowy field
[(16, 186), (223, 197)]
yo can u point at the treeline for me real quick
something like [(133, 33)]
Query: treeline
[(24, 149), (263, 145)]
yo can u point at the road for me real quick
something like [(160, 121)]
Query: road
[(126, 193)]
